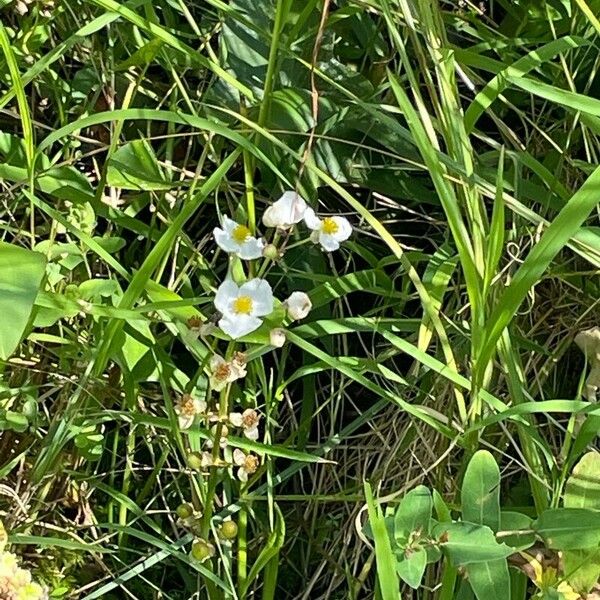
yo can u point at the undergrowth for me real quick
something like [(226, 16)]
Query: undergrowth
[(410, 189)]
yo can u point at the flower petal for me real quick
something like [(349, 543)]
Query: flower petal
[(237, 326), (328, 242), (229, 225), (239, 458), (227, 292), (262, 296), (224, 240), (242, 475), (344, 229), (311, 219), (236, 419), (251, 433), (252, 248)]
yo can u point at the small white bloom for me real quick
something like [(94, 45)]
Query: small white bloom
[(285, 212), (248, 420), (298, 305), (247, 463), (236, 239), (277, 337), (187, 408), (224, 372), (328, 232), (242, 306)]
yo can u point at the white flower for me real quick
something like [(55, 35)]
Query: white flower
[(277, 337), (242, 306), (247, 463), (328, 232), (224, 372), (187, 408), (249, 420), (285, 212), (298, 305), (236, 239)]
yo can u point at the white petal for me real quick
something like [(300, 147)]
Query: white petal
[(229, 225), (286, 211), (224, 240), (251, 433), (227, 292), (269, 218), (236, 419), (311, 219), (344, 229), (242, 475), (298, 305), (237, 326), (239, 458), (262, 296), (328, 242), (185, 421), (252, 248)]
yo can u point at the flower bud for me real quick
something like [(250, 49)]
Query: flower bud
[(271, 251), (298, 306), (277, 337)]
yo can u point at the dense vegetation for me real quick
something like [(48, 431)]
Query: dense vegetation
[(298, 298)]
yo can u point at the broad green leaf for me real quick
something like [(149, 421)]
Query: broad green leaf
[(466, 543), (490, 579), (582, 567), (480, 494), (413, 514), (516, 530), (134, 167), (21, 274), (412, 567), (583, 486), (569, 528)]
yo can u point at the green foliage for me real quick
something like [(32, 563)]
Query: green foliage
[(460, 139)]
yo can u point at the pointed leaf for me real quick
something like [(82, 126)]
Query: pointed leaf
[(481, 491), (412, 567), (413, 513), (490, 579), (569, 528), (21, 275)]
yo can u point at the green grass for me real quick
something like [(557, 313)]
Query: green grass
[(462, 145)]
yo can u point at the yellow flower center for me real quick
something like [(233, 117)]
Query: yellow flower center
[(242, 305), (330, 226), (240, 234)]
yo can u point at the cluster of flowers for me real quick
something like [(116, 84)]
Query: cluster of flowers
[(243, 306), (241, 309), (46, 7), (15, 582)]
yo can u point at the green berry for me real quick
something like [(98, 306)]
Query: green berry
[(185, 510), (202, 550), (194, 460), (229, 530)]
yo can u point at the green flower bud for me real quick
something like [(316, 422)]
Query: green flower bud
[(271, 251)]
